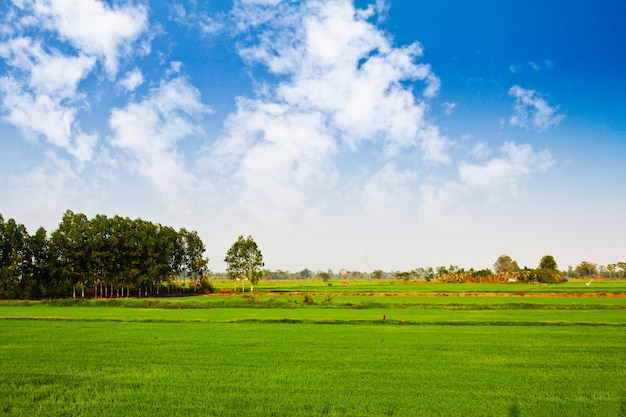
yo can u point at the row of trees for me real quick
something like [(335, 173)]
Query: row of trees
[(100, 257), (504, 269)]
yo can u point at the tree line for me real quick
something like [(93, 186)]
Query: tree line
[(100, 257)]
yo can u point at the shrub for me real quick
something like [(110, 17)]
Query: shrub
[(308, 299)]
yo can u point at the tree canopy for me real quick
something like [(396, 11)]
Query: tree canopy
[(504, 264), (101, 256), (244, 262), (548, 262)]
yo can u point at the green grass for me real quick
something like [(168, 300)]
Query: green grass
[(450, 353), (323, 315), (398, 287), (53, 368)]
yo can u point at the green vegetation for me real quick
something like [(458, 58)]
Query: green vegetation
[(118, 257), (244, 261), (288, 352), (427, 342), (55, 368)]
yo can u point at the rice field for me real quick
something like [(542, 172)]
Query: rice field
[(430, 356)]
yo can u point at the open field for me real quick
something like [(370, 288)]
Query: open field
[(277, 354), (423, 287)]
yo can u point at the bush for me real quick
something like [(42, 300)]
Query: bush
[(548, 276), (309, 300), (205, 286)]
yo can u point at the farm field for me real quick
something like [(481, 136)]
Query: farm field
[(277, 355)]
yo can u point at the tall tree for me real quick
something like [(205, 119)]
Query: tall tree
[(505, 265), (40, 267), (190, 251), (244, 260), (71, 250), (14, 258), (587, 269), (548, 262), (611, 269)]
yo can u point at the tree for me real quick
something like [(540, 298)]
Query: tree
[(548, 262), (378, 274), (324, 276), (40, 268), (611, 269), (244, 260), (14, 258), (405, 276), (306, 273), (587, 269), (505, 265)]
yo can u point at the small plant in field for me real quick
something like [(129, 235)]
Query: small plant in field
[(308, 300), (328, 300)]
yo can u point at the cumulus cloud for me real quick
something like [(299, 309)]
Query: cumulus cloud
[(516, 162), (341, 86), (531, 110), (41, 98), (132, 80), (91, 26), (495, 177), (41, 91), (149, 130)]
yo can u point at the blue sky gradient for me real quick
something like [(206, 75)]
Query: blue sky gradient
[(360, 135)]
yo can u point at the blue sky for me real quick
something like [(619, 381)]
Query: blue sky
[(360, 135)]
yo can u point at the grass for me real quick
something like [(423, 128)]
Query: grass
[(412, 287), (492, 353), (167, 369)]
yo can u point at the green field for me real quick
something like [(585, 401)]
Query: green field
[(283, 355)]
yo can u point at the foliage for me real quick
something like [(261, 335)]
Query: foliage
[(103, 257), (587, 269), (244, 261), (324, 276), (378, 274), (547, 276), (548, 262), (505, 265)]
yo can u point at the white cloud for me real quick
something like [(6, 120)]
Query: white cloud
[(150, 130), (480, 150), (40, 114), (505, 172), (448, 108), (132, 80), (496, 177), (342, 87), (40, 96), (92, 26), (51, 73), (531, 110), (41, 91)]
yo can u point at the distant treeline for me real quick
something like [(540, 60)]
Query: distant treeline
[(99, 257)]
